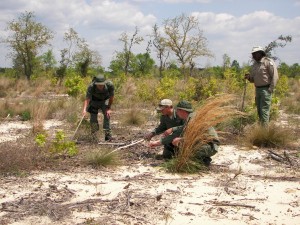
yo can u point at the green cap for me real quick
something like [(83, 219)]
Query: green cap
[(185, 105), (100, 80)]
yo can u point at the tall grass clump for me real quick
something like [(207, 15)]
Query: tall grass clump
[(102, 158), (133, 117), (273, 136), (39, 112), (213, 112)]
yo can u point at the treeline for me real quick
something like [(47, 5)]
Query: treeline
[(177, 44)]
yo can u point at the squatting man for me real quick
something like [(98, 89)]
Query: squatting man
[(173, 136)]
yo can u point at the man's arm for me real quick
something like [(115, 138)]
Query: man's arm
[(272, 69), (85, 105), (110, 102)]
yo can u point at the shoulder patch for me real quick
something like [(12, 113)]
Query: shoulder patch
[(271, 62)]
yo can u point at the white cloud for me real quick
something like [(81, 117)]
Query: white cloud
[(101, 23), (235, 36)]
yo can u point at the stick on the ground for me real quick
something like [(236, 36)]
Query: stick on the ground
[(126, 146), (111, 143), (276, 157)]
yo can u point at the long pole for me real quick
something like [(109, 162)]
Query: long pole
[(77, 127), (243, 103)]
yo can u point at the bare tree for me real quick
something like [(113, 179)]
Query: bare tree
[(185, 39), (160, 48), (128, 43)]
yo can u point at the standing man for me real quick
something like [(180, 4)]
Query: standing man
[(99, 95), (168, 119), (174, 135), (264, 75)]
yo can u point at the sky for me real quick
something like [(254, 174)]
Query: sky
[(231, 27)]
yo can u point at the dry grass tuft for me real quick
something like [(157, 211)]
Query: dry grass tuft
[(39, 112), (213, 112), (133, 117), (273, 136), (103, 158), (16, 160)]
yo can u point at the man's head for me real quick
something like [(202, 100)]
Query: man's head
[(165, 106), (184, 108), (99, 80), (257, 53)]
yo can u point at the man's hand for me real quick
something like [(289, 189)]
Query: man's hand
[(176, 141), (153, 144), (168, 132), (148, 136), (108, 112), (84, 112)]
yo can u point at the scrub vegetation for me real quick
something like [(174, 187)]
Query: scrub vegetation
[(39, 88)]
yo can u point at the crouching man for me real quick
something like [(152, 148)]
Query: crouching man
[(174, 135)]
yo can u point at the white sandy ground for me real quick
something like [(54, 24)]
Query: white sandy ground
[(243, 187)]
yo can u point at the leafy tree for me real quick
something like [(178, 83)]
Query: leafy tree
[(62, 69), (144, 63), (290, 71), (78, 54), (185, 39), (281, 41), (226, 61), (235, 64), (117, 65), (26, 39), (48, 60)]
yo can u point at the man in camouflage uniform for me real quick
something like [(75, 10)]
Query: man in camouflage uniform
[(99, 96), (264, 75), (174, 135), (168, 119)]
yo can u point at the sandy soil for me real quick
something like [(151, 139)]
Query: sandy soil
[(242, 186)]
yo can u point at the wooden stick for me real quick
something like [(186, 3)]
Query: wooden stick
[(230, 204), (77, 127), (111, 143), (126, 146)]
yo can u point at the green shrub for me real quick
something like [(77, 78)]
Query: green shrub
[(61, 146), (75, 86), (187, 90), (41, 139), (26, 115), (166, 87)]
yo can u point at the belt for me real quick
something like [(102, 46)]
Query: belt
[(265, 86)]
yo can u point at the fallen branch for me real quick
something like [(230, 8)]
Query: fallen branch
[(276, 157), (230, 204)]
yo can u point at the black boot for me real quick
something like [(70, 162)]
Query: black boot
[(206, 161), (108, 136)]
